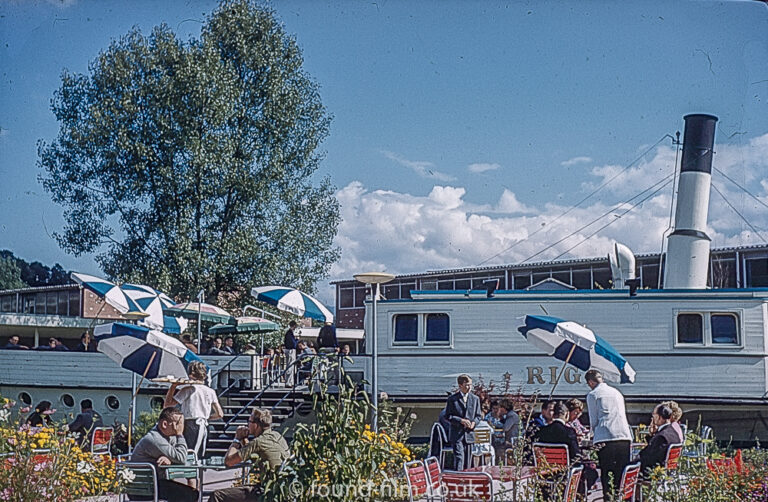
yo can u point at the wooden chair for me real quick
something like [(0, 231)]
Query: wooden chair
[(483, 447), (416, 476), (628, 485), (572, 484), (143, 482), (101, 441), (466, 486), (434, 475)]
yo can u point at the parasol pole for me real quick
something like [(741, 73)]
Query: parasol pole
[(131, 412), (573, 347), (200, 298)]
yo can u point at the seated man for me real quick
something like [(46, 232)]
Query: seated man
[(557, 432), (510, 427), (656, 452), (164, 445), (267, 449), (85, 422)]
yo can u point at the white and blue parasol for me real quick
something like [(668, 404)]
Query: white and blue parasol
[(153, 302), (577, 345), (293, 301), (110, 291), (132, 347)]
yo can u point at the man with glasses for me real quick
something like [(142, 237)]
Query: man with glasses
[(267, 449), (656, 452), (164, 445)]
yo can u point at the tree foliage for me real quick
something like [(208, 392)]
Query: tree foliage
[(17, 273), (190, 165)]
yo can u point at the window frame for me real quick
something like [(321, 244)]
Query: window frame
[(406, 343), (421, 330), (438, 343), (707, 328)]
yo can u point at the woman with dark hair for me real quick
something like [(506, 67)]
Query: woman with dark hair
[(199, 403), (41, 415)]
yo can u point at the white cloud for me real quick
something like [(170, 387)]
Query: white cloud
[(423, 168), (576, 160), (405, 233), (482, 167)]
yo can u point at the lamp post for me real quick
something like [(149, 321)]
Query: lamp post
[(377, 278)]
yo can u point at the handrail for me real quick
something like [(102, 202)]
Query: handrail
[(274, 380), (226, 366)]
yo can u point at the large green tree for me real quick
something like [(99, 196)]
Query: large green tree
[(191, 164), (10, 274)]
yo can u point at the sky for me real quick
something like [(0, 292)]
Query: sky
[(463, 133)]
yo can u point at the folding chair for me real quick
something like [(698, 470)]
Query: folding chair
[(550, 456), (628, 485), (673, 456), (416, 476), (434, 475), (572, 484), (101, 441), (143, 482), (483, 447), (438, 434), (466, 486)]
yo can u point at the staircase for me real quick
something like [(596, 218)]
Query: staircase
[(281, 401)]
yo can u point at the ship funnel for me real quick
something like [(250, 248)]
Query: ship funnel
[(622, 262), (688, 246)]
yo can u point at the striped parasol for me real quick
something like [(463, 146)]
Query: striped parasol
[(144, 351), (293, 301), (153, 302)]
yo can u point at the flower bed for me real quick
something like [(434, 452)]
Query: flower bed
[(45, 464)]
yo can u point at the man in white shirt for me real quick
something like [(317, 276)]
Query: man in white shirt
[(608, 420)]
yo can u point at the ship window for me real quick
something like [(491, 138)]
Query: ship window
[(429, 285), (690, 328), (156, 403), (406, 328), (392, 292), (112, 402), (67, 400), (25, 398), (438, 328), (724, 328)]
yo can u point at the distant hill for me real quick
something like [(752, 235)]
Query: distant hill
[(30, 274)]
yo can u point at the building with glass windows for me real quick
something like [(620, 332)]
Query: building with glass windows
[(736, 267)]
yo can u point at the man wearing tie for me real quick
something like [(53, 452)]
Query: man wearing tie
[(463, 411)]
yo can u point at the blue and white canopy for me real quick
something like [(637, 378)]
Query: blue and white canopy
[(557, 337), (153, 302), (293, 301), (110, 291), (132, 346)]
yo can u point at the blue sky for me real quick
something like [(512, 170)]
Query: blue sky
[(459, 127)]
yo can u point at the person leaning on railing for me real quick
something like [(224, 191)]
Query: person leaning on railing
[(267, 449)]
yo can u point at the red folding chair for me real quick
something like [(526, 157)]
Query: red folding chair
[(673, 456), (572, 485), (416, 476), (628, 486), (466, 486), (434, 475), (550, 457), (101, 441)]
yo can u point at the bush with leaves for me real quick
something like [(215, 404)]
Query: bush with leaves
[(339, 457)]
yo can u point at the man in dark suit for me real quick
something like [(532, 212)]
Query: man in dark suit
[(656, 452), (85, 422), (463, 412), (557, 432)]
